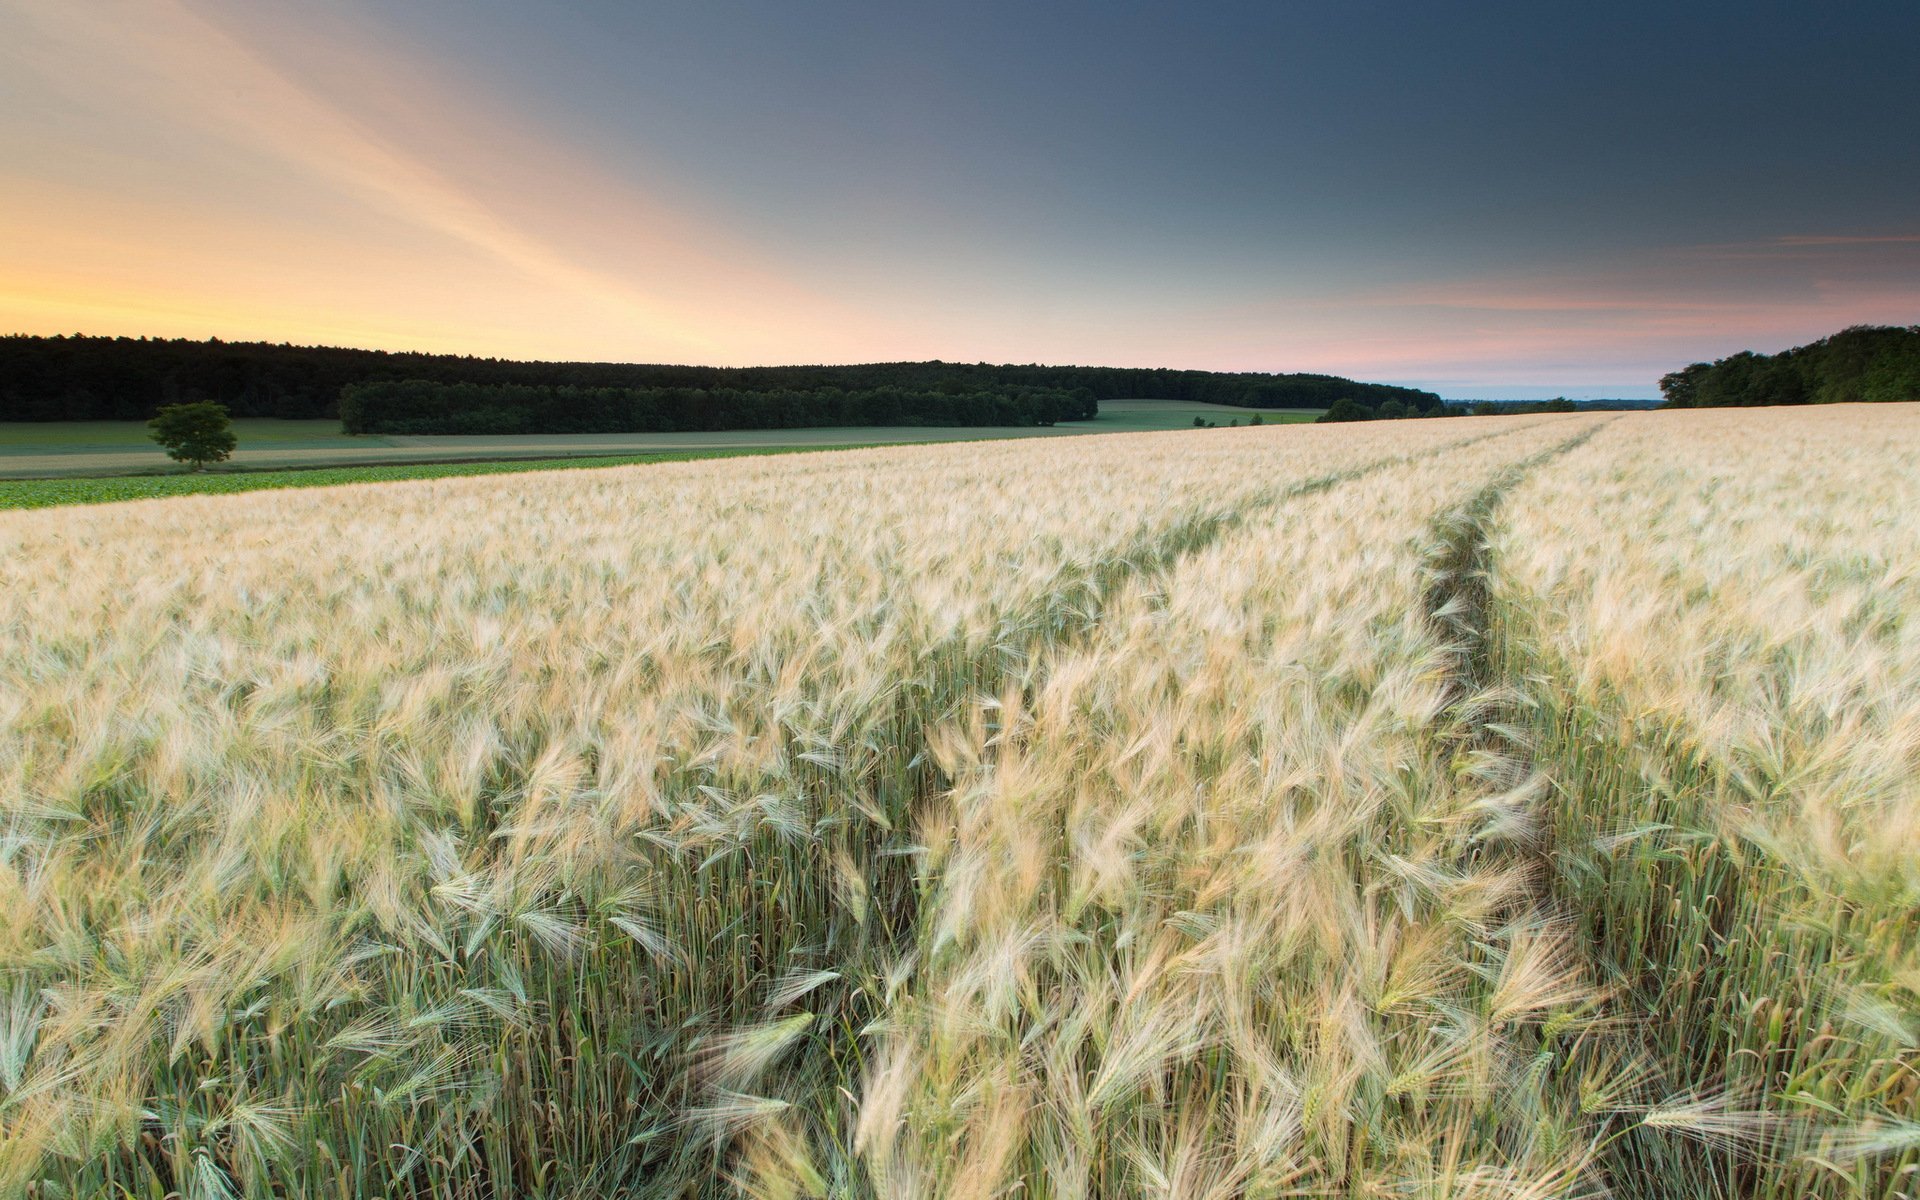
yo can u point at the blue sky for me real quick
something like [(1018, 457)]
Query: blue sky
[(1489, 199)]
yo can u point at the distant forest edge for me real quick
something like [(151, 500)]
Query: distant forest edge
[(102, 378), (418, 406), (1867, 363)]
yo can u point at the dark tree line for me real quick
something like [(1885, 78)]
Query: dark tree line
[(1353, 407), (1349, 410), (97, 378), (418, 406), (1866, 363)]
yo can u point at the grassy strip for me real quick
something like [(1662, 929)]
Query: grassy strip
[(48, 493)]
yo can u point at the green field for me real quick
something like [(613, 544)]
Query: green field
[(99, 449), (48, 493), (1139, 416), (92, 437)]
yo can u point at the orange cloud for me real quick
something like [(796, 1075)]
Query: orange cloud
[(576, 263)]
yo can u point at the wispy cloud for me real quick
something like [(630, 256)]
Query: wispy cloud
[(653, 280), (1832, 239)]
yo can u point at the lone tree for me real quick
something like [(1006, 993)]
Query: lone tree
[(198, 433), (1346, 408)]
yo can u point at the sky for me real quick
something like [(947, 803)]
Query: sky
[(1490, 200)]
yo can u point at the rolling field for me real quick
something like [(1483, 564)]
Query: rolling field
[(60, 449), (1517, 807), (20, 438), (109, 489)]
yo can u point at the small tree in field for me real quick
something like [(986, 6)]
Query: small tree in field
[(197, 434), (1346, 408)]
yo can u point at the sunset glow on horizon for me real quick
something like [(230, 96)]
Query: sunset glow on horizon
[(1447, 200)]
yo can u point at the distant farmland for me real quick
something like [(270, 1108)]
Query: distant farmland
[(73, 448), (1509, 807)]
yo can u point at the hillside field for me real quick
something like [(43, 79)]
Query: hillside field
[(67, 449), (1521, 807)]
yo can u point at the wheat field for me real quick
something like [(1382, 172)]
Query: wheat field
[(1507, 807)]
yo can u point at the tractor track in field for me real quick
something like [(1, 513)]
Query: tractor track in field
[(1478, 738), (1484, 739), (1068, 616), (1459, 594)]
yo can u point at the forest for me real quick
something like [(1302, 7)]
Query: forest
[(417, 406), (101, 378), (1867, 363)]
